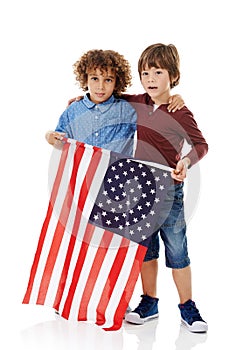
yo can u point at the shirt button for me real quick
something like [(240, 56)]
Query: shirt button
[(96, 117), (96, 134)]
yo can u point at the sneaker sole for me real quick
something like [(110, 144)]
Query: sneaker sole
[(135, 318), (197, 327)]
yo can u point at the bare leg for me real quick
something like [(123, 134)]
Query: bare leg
[(182, 279), (149, 273)]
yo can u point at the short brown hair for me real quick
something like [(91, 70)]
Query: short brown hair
[(164, 57), (104, 59)]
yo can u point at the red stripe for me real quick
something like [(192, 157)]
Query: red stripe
[(59, 231), (53, 196), (111, 281), (61, 285), (94, 272), (129, 288), (85, 187), (80, 261)]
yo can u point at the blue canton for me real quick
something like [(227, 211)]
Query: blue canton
[(130, 199)]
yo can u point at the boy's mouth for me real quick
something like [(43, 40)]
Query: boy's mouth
[(152, 87)]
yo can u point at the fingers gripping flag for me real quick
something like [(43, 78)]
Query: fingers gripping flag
[(102, 211)]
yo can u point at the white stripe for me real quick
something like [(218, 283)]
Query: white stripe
[(52, 225), (86, 268), (93, 192), (102, 277), (82, 170), (120, 285)]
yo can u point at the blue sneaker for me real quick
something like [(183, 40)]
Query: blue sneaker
[(145, 311), (191, 318)]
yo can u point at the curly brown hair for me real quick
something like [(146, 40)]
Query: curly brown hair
[(104, 59), (161, 56)]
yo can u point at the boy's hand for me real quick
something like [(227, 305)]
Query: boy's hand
[(55, 138), (180, 172), (176, 102), (75, 99)]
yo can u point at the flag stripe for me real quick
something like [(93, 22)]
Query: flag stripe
[(52, 200), (59, 232), (127, 291)]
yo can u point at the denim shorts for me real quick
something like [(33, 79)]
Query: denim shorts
[(172, 231)]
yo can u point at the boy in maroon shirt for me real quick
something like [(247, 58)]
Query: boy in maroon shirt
[(160, 138)]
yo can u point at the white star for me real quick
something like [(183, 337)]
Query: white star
[(108, 222), (113, 168), (148, 225), (96, 217), (139, 228), (109, 180), (104, 213), (143, 237)]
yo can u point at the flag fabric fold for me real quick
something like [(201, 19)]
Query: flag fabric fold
[(102, 211)]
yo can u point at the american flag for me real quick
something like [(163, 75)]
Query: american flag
[(102, 211)]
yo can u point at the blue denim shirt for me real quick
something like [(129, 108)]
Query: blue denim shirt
[(110, 125)]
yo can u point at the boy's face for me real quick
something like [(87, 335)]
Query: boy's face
[(156, 82), (101, 84)]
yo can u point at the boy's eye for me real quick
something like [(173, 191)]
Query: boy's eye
[(158, 72), (144, 73), (109, 80), (94, 78)]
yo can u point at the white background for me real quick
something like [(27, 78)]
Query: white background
[(40, 41)]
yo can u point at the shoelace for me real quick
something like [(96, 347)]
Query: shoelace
[(143, 306), (192, 313)]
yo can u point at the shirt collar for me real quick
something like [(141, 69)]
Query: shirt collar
[(102, 106)]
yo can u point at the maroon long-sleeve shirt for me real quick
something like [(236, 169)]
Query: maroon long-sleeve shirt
[(161, 135)]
